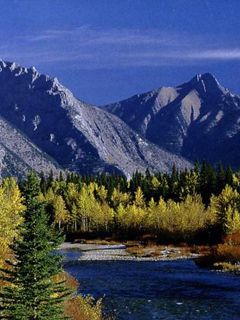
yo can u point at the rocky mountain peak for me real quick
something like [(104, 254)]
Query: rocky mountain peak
[(13, 72), (28, 80), (76, 135), (199, 119), (207, 83)]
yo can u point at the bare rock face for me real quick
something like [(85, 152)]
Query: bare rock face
[(18, 154), (76, 135), (199, 120)]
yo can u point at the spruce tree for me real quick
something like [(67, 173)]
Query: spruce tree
[(31, 292)]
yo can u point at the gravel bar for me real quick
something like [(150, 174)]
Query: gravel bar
[(93, 252)]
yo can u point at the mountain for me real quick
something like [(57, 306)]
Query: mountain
[(78, 136), (199, 120), (18, 155)]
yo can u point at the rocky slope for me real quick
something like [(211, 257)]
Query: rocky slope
[(198, 120), (76, 135), (18, 155)]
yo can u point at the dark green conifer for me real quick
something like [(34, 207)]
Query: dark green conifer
[(31, 293)]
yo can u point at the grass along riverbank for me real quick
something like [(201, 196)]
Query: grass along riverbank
[(79, 307), (224, 256)]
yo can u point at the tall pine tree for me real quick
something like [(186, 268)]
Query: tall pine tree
[(31, 292)]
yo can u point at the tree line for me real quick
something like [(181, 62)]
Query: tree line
[(200, 203)]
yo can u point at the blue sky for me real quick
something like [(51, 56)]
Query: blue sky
[(107, 50)]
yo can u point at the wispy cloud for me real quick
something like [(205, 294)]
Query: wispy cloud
[(86, 35), (91, 48), (191, 54), (217, 54)]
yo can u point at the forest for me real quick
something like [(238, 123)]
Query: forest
[(200, 205), (197, 206)]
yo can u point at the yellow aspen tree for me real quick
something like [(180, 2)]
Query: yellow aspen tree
[(11, 207), (139, 198), (150, 215), (61, 215), (71, 196), (49, 196), (173, 217), (105, 217), (102, 193), (121, 216), (192, 216), (155, 183), (160, 217), (227, 208), (211, 212), (88, 207), (119, 197)]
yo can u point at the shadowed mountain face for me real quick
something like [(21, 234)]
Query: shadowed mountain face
[(19, 155), (76, 135), (199, 119)]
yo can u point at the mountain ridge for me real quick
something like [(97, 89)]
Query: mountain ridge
[(77, 135), (196, 119)]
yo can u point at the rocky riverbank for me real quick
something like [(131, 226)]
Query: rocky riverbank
[(95, 252)]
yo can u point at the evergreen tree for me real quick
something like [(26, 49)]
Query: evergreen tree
[(221, 179), (31, 293), (43, 183), (50, 179), (174, 184)]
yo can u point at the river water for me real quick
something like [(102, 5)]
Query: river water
[(169, 290)]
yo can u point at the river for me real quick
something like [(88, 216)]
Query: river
[(169, 290)]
